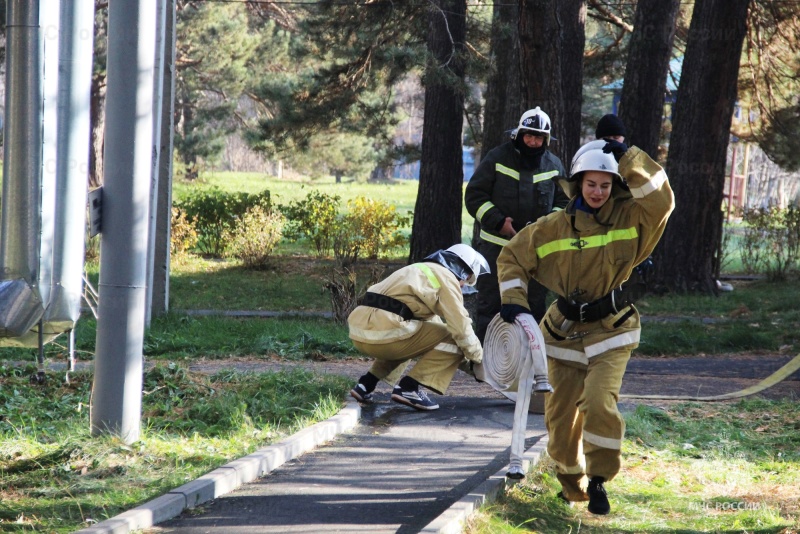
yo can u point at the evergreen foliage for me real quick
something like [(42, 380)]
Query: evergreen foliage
[(214, 60)]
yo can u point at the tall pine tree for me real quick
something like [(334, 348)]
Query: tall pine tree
[(437, 220), (687, 255)]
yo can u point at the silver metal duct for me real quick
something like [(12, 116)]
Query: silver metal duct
[(21, 304), (64, 126), (72, 167)]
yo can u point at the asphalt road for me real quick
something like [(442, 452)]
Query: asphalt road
[(395, 473)]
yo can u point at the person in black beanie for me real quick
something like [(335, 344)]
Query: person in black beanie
[(611, 128), (515, 184)]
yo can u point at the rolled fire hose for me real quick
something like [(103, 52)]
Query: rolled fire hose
[(513, 362)]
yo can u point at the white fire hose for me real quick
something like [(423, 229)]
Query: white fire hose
[(514, 363)]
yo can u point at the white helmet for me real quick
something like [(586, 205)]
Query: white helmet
[(473, 259), (593, 159), (535, 121), (591, 145)]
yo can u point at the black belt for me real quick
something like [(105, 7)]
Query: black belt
[(593, 311), (387, 303)]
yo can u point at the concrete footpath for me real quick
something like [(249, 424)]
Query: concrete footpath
[(380, 468)]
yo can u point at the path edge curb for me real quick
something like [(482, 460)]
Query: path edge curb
[(230, 476), (454, 519)]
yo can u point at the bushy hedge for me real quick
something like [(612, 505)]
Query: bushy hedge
[(367, 229), (254, 237), (771, 241), (221, 225), (213, 212)]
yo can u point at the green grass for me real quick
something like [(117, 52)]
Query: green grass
[(292, 283), (721, 468), (56, 477), (401, 193), (756, 316)]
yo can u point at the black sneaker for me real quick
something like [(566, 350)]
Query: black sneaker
[(416, 399), (361, 394), (598, 500)]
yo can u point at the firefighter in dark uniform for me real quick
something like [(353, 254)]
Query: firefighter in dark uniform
[(619, 209), (513, 186)]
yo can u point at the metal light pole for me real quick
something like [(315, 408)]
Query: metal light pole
[(117, 393)]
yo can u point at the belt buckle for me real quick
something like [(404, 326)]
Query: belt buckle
[(581, 311)]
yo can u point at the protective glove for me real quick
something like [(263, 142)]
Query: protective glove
[(508, 312), (616, 148), (473, 369), (473, 353)]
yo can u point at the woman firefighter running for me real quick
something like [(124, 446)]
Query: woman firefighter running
[(620, 203)]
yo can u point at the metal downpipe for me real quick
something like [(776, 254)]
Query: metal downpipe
[(21, 303), (72, 167)]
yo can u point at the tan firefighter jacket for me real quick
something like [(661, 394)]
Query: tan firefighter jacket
[(583, 257), (432, 293)]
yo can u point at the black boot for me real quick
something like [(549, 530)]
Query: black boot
[(598, 500)]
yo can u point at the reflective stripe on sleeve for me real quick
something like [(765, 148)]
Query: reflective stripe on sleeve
[(544, 176), (600, 441), (653, 184), (561, 245), (486, 206), (511, 284)]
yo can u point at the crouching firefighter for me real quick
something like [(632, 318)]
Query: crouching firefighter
[(400, 319), (620, 200)]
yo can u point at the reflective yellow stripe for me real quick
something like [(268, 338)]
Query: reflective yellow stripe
[(493, 239), (431, 277), (507, 171), (544, 176), (588, 242), (486, 206)]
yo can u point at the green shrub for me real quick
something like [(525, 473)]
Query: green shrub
[(771, 241), (183, 236), (316, 218), (378, 224), (212, 212), (254, 237)]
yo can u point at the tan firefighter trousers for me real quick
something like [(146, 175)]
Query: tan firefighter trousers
[(581, 414), (437, 356)]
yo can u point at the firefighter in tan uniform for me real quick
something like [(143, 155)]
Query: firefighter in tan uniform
[(620, 203), (400, 319)]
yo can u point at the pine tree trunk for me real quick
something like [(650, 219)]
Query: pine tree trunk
[(551, 35), (686, 258), (503, 106), (572, 15), (437, 214), (642, 102)]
